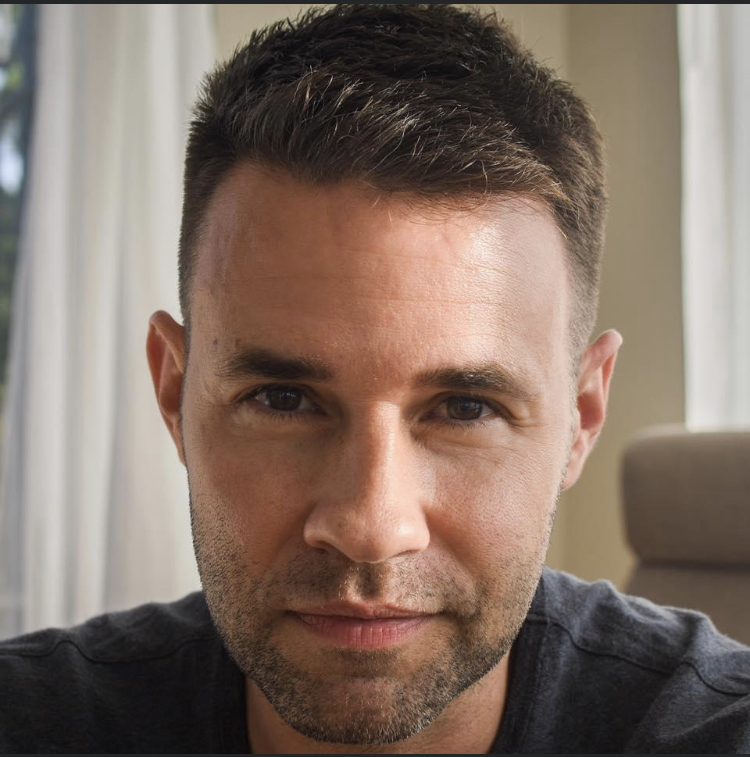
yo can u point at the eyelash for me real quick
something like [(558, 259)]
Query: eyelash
[(498, 410)]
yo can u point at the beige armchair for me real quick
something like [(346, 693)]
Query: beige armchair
[(686, 500)]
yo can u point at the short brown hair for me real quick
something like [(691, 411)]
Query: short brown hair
[(433, 101)]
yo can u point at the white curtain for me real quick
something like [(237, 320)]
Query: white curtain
[(93, 507), (715, 78)]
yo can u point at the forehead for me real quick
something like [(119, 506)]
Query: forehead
[(345, 274)]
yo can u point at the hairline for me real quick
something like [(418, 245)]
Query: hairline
[(421, 202)]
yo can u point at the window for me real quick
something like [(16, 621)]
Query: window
[(17, 54)]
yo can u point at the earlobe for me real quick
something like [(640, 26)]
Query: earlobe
[(597, 367), (165, 348)]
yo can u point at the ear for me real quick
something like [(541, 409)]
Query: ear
[(597, 365), (165, 347)]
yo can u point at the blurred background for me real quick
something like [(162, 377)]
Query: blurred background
[(94, 106)]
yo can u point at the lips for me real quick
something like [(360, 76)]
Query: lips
[(362, 626)]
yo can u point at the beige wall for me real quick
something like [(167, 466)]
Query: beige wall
[(623, 60), (236, 21)]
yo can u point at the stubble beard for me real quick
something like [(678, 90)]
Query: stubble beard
[(369, 703)]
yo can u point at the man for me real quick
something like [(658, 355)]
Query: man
[(392, 227)]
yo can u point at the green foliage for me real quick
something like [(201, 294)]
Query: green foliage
[(16, 82)]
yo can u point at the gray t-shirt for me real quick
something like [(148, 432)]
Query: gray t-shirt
[(591, 671)]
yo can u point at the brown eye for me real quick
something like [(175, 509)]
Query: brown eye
[(283, 399), (464, 408), (280, 402)]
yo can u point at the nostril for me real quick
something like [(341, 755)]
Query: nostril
[(363, 539)]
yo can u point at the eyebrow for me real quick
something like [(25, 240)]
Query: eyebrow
[(259, 362), (491, 377), (264, 363)]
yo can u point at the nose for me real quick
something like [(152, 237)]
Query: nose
[(368, 505)]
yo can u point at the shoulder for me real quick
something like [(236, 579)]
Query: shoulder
[(79, 687), (601, 620), (148, 631), (660, 678)]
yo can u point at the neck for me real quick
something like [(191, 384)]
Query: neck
[(469, 725)]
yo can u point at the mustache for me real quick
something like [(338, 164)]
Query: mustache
[(416, 584)]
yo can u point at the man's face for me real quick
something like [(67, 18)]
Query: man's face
[(376, 422)]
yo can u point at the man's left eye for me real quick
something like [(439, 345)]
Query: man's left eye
[(465, 409)]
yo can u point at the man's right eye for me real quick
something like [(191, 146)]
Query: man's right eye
[(281, 400)]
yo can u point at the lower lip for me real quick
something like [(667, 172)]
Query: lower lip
[(358, 633)]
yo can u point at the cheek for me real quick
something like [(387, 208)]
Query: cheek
[(495, 508), (253, 490)]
